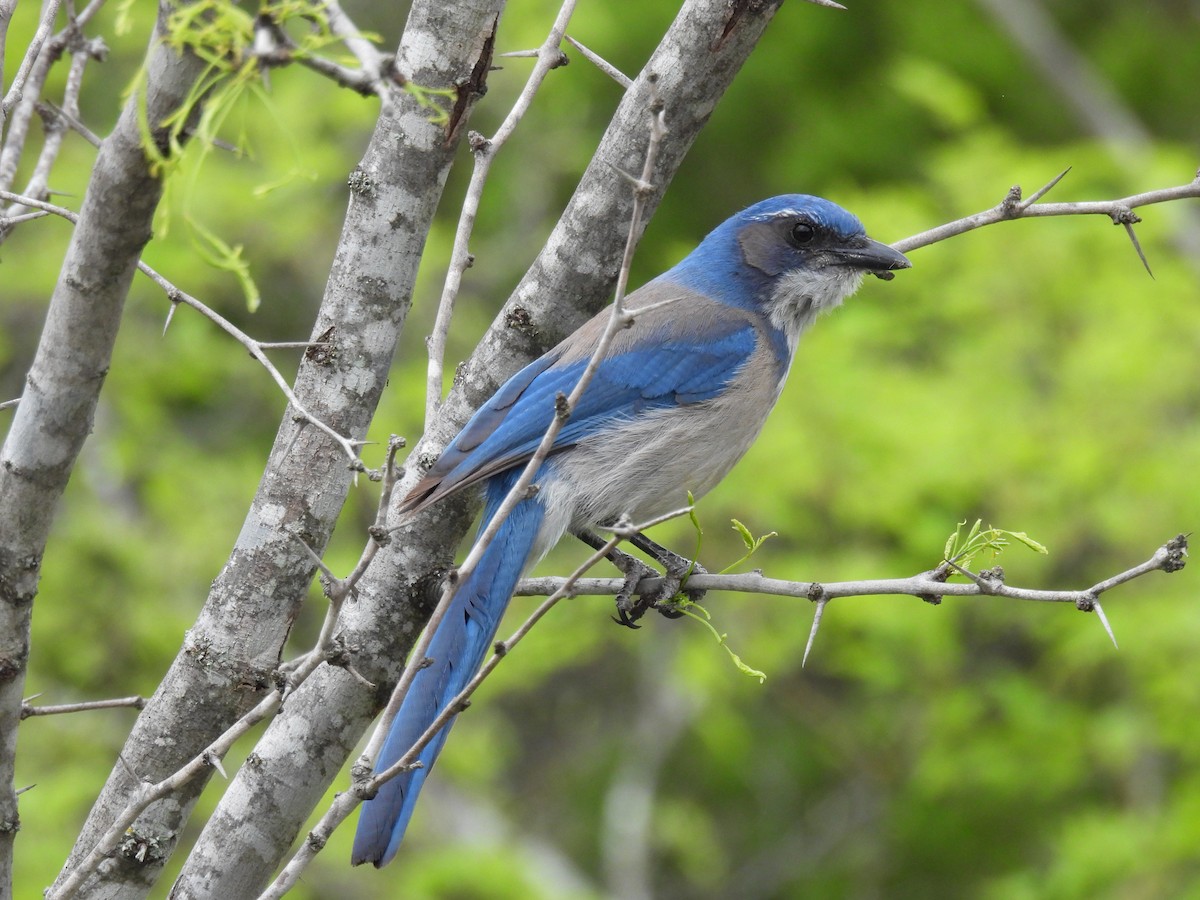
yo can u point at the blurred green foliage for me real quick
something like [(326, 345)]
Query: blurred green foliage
[(1030, 374)]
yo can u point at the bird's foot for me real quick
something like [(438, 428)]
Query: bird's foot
[(632, 604), (666, 598)]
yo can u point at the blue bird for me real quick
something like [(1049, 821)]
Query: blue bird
[(676, 401)]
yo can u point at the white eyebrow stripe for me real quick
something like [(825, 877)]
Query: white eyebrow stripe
[(778, 214)]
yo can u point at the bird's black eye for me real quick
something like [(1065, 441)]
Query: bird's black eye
[(803, 233)]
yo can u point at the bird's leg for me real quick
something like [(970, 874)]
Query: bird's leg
[(676, 568), (628, 609)]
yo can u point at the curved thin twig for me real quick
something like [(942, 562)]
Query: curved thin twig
[(255, 348), (1013, 207)]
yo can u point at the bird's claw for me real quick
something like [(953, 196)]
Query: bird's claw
[(629, 610), (632, 604), (676, 571)]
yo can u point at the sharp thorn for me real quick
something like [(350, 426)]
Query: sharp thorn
[(1138, 247), (170, 316), (812, 635), (1046, 188), (215, 762), (1104, 621)]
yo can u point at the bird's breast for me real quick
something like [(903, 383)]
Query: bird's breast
[(645, 465)]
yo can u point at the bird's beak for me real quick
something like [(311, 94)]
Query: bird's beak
[(874, 257)]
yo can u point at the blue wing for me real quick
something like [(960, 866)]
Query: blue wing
[(667, 363)]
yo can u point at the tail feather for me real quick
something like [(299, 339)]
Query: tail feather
[(458, 649)]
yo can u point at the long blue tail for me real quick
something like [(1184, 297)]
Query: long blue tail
[(458, 649)]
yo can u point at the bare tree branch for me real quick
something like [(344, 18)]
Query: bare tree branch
[(377, 76), (28, 710), (17, 88), (1013, 207), (1170, 557), (55, 413), (549, 56), (394, 193), (395, 596), (254, 348)]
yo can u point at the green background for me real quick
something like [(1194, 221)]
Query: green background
[(1030, 374)]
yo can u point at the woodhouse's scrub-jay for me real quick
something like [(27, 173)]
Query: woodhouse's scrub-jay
[(676, 401)]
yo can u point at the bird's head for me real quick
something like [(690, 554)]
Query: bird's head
[(791, 256)]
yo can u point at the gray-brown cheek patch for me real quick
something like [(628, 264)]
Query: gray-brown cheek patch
[(760, 245)]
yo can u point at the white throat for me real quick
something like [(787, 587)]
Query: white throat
[(802, 295)]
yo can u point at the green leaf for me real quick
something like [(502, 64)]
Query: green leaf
[(752, 544), (221, 255), (1028, 541), (963, 551), (687, 608), (747, 537)]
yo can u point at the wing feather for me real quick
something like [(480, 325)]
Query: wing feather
[(682, 354)]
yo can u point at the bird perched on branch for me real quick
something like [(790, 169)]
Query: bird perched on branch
[(677, 399)]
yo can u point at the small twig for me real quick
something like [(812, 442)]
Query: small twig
[(10, 404), (55, 124), (28, 710), (7, 222), (1006, 210), (340, 589), (316, 558), (291, 345), (371, 60), (149, 793), (73, 123), (485, 150), (17, 88), (274, 47), (349, 446), (255, 348)]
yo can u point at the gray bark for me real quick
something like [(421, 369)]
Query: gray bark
[(305, 746), (228, 657), (55, 414)]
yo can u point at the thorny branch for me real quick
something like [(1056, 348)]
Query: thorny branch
[(1014, 207), (17, 89), (255, 348), (549, 56), (928, 586), (288, 678), (22, 103)]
